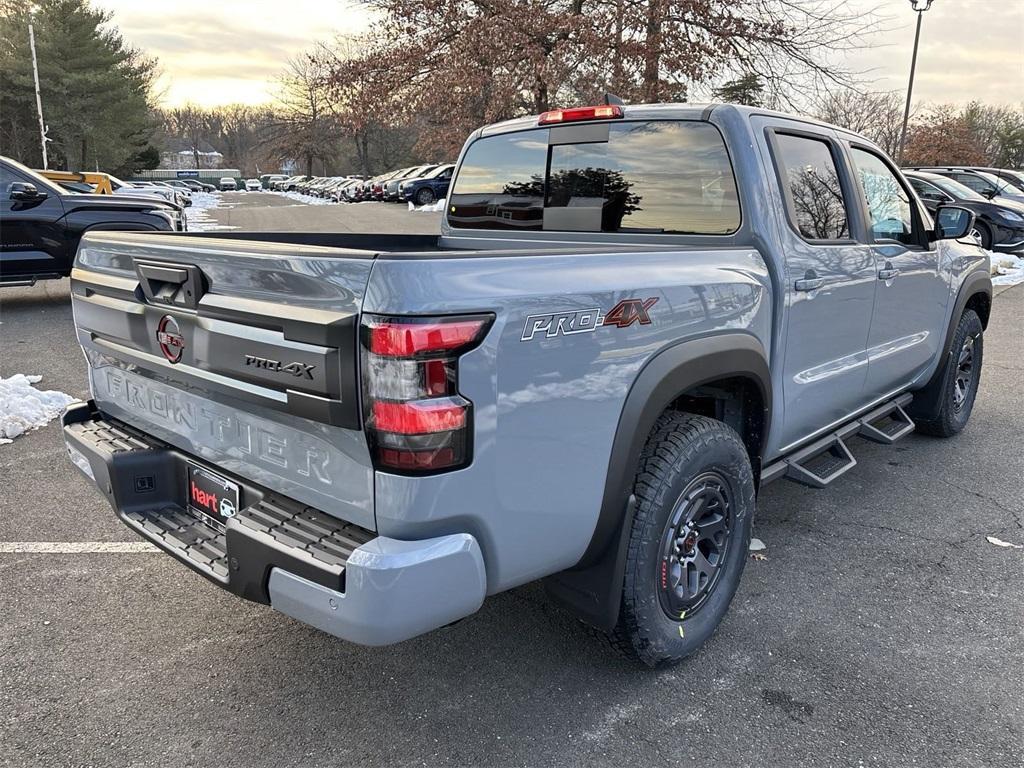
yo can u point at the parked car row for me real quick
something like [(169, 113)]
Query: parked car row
[(193, 185), (230, 184), (184, 188), (418, 184), (96, 183), (994, 195), (286, 183)]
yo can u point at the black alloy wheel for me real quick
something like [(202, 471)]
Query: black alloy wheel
[(964, 380), (695, 545)]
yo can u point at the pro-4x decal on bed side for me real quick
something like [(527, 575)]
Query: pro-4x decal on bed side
[(629, 311), (573, 321)]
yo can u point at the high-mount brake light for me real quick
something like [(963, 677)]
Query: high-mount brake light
[(416, 420), (578, 114)]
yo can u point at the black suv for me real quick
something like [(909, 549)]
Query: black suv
[(999, 186), (998, 225), (41, 224)]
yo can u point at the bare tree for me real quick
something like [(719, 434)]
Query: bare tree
[(240, 132), (191, 123), (878, 116), (305, 127), (457, 65)]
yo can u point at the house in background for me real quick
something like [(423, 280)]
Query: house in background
[(180, 153)]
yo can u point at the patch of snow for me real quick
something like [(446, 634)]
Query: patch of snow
[(24, 408), (1006, 269), (198, 214), (1001, 543), (756, 545), (305, 199), (436, 207)]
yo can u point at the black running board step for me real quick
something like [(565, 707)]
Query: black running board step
[(829, 458), (820, 463), (887, 423)]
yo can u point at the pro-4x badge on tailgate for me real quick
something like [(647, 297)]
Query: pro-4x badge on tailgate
[(295, 369), (622, 315)]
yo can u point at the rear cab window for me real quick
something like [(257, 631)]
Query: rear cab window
[(634, 176)]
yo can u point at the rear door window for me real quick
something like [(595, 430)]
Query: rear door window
[(816, 202), (670, 177)]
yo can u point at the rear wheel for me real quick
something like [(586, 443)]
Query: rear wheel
[(961, 379), (688, 543), (425, 196)]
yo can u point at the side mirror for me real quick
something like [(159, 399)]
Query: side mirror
[(21, 190), (990, 193), (953, 222)]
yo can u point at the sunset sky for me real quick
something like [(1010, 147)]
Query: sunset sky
[(222, 51)]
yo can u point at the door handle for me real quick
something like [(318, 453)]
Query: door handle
[(889, 273), (809, 282)]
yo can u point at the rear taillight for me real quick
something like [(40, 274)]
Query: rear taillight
[(416, 420)]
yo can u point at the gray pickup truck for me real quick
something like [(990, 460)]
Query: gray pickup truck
[(633, 319)]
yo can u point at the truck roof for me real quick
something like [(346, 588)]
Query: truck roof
[(675, 111)]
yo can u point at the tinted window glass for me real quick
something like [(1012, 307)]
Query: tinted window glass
[(11, 172), (956, 189), (977, 183), (888, 202), (1011, 185), (926, 191), (810, 172), (7, 176), (658, 176), (501, 183)]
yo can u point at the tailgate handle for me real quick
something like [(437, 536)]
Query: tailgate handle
[(179, 285)]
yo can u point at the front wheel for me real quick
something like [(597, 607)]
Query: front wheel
[(962, 378), (425, 196), (688, 543), (983, 235)]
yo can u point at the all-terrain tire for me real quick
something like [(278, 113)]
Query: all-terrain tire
[(961, 379), (685, 455)]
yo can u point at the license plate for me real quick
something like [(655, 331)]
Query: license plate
[(212, 495)]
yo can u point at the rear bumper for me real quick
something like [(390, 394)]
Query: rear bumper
[(340, 578)]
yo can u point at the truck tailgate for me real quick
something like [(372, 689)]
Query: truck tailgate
[(243, 354)]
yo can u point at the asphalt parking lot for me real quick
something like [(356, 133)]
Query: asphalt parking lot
[(882, 629)]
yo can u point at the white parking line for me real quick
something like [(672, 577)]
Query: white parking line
[(75, 547)]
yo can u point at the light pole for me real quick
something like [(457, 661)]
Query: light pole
[(35, 74), (919, 6)]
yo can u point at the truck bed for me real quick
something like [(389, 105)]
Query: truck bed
[(402, 246), (379, 244)]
